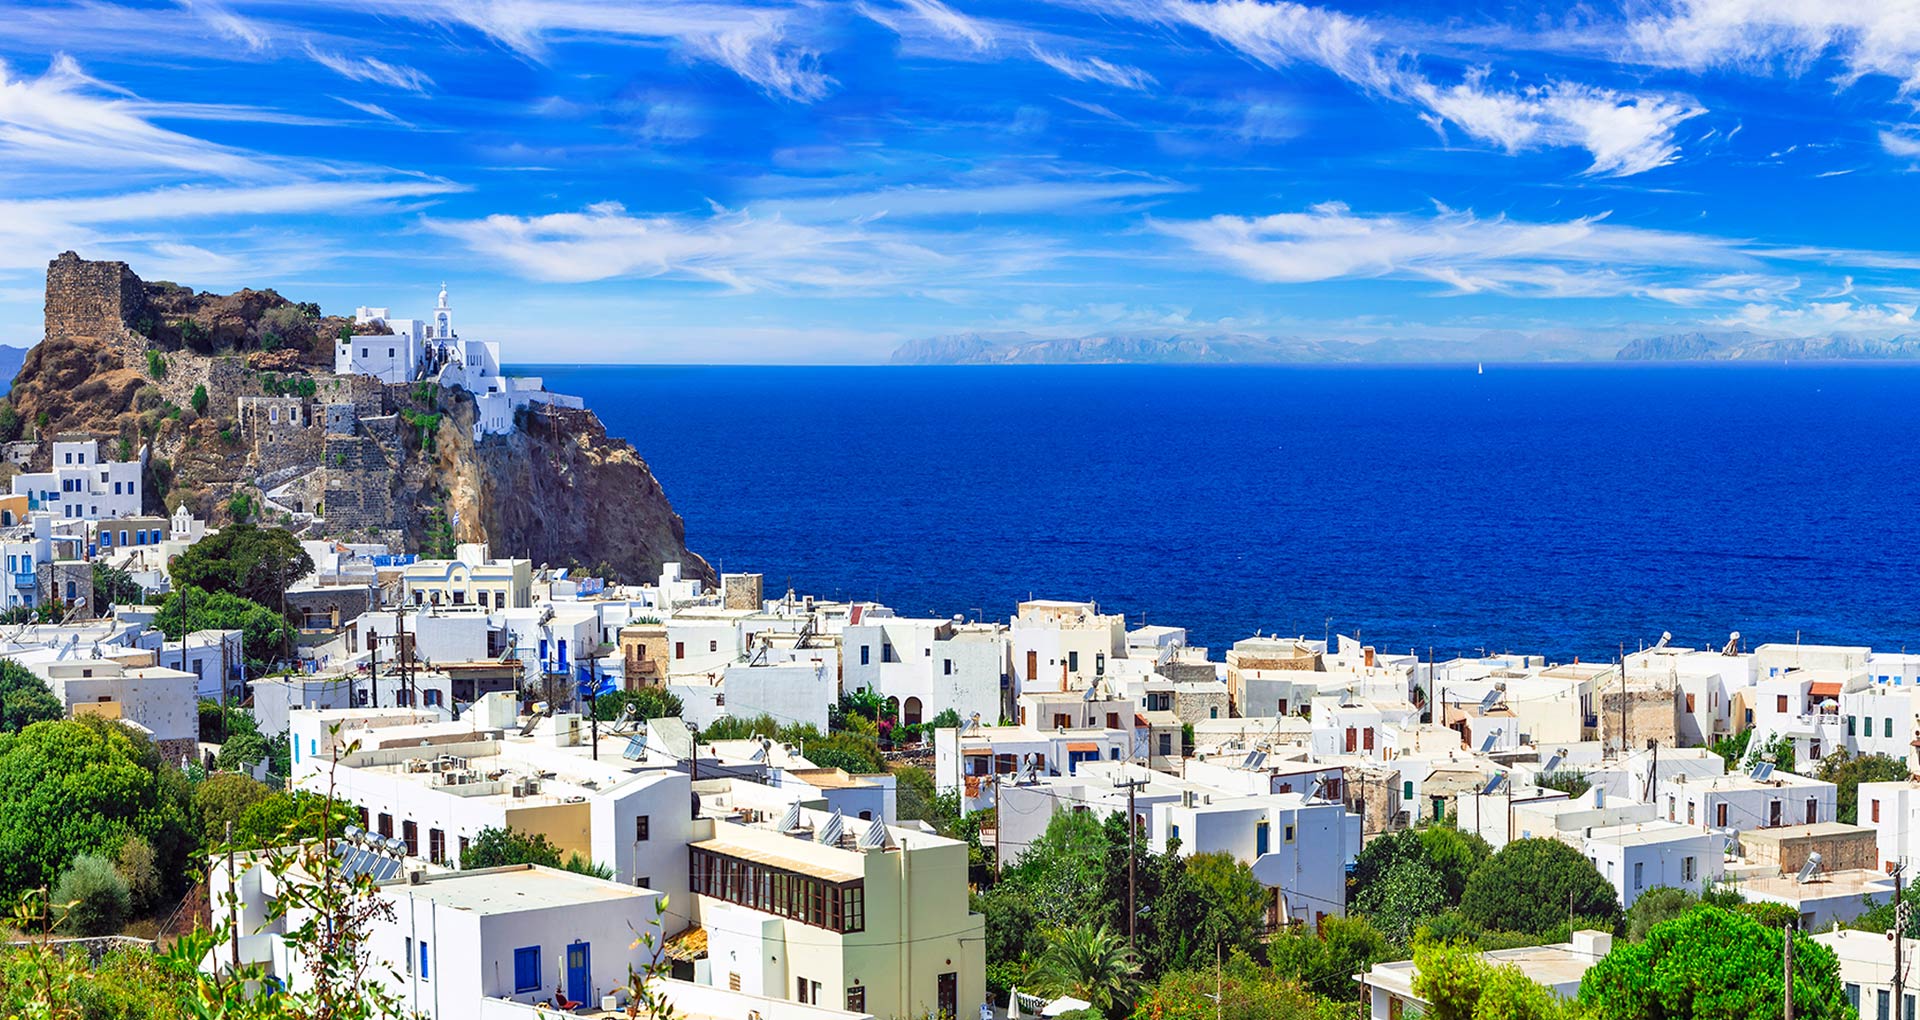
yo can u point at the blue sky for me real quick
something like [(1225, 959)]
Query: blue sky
[(721, 181)]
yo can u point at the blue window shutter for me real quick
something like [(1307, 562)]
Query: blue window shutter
[(526, 969), (423, 960)]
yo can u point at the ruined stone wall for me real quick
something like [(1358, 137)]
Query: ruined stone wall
[(359, 496), (90, 299), (1651, 715), (51, 580), (282, 432)]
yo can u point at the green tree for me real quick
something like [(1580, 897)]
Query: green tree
[(244, 560), (221, 799), (10, 424), (138, 867), (81, 786), (92, 897), (240, 507), (199, 398), (265, 635), (27, 698), (1460, 984), (495, 847), (1658, 904), (1063, 869), (1013, 927), (1325, 961), (1532, 885), (1779, 751), (1089, 963), (648, 702), (115, 587), (1245, 992), (1733, 748), (1455, 854), (1399, 902), (1847, 771), (1712, 964), (1571, 782)]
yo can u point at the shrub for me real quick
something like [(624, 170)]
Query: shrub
[(156, 365), (94, 898), (199, 399), (1532, 885), (140, 869)]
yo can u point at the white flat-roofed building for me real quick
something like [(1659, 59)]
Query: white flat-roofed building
[(435, 785), (1866, 971), (1741, 801), (976, 760), (1559, 968), (459, 938), (927, 666), (1826, 899), (1063, 645), (83, 486), (1638, 856)]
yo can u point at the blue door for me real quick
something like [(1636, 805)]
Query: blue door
[(578, 985)]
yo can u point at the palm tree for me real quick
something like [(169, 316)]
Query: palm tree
[(1089, 963)]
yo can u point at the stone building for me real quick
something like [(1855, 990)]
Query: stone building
[(65, 581), (744, 591)]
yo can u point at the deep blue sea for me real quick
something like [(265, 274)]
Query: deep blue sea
[(1560, 509)]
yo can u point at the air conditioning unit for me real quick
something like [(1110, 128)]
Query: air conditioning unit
[(519, 789), (417, 876)]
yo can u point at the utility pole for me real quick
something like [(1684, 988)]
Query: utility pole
[(1787, 942), (1899, 936), (373, 668), (993, 781), (1131, 785), (1623, 700), (233, 900)]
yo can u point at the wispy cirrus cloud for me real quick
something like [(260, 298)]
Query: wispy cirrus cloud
[(745, 250), (1092, 69), (245, 31), (369, 69), (935, 26), (1625, 133), (68, 119), (763, 44)]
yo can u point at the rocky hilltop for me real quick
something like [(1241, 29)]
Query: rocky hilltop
[(234, 400)]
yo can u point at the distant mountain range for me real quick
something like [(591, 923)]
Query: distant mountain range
[(1749, 347), (1229, 348), (11, 358)]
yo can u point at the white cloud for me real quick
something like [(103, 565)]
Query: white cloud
[(1093, 69), (1625, 133), (1900, 141), (933, 27), (73, 121), (972, 198), (370, 69), (754, 42), (372, 109), (1869, 37), (741, 250), (1585, 257), (251, 34), (942, 20), (1823, 317)]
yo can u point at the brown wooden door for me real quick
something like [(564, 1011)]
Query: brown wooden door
[(1033, 665), (949, 995)]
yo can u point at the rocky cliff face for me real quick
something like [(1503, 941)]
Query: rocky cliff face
[(232, 394)]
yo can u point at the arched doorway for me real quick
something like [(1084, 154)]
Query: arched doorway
[(910, 712)]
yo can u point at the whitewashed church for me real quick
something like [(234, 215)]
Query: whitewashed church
[(432, 351)]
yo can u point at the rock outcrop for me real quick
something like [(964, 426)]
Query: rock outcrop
[(234, 394)]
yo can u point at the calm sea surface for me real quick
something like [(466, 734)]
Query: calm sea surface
[(1563, 509)]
